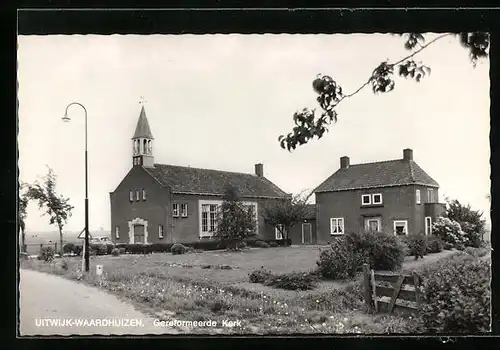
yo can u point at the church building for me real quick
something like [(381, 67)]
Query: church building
[(160, 203)]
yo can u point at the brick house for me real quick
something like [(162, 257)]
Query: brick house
[(390, 196), (159, 203)]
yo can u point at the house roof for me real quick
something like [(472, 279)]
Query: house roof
[(181, 179), (142, 129), (379, 174)]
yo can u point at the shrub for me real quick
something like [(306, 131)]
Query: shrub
[(434, 244), (457, 296), (450, 232), (69, 248), (115, 252), (189, 249), (241, 245), (177, 249), (46, 254), (339, 261), (292, 281), (417, 245), (100, 249), (121, 250), (64, 265), (273, 244), (383, 251), (261, 244), (78, 249), (259, 276), (109, 248)]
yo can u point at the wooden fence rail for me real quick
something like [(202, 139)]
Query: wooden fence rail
[(405, 287)]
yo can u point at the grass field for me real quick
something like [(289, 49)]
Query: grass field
[(166, 285)]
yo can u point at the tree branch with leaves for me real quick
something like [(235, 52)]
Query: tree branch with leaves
[(56, 206), (330, 94)]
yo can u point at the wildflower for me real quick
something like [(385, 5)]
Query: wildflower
[(317, 301), (332, 317), (345, 319)]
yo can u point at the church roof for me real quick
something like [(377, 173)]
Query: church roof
[(181, 179), (142, 129)]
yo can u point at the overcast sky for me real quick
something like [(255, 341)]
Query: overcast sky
[(221, 101)]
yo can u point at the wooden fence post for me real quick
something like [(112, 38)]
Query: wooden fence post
[(367, 289), (374, 290), (395, 295), (416, 284)]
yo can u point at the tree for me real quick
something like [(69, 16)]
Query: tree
[(56, 206), (22, 212), (330, 94), (471, 221), (285, 214), (235, 221)]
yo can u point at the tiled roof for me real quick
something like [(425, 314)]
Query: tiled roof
[(379, 174), (142, 129), (189, 180)]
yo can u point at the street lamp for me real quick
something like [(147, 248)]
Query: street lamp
[(66, 118)]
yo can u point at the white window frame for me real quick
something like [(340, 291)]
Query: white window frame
[(160, 231), (428, 225), (201, 203), (417, 196), (337, 223), (379, 223), (184, 213), (363, 196), (430, 195), (117, 232), (175, 210), (381, 198), (131, 196), (255, 208), (396, 222), (137, 196), (277, 233), (143, 194)]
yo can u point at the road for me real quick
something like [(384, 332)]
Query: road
[(45, 298)]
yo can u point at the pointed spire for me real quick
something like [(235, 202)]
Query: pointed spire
[(142, 129)]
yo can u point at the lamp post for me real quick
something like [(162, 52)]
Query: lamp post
[(86, 244)]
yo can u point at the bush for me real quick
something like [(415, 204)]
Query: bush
[(434, 244), (417, 245), (260, 276), (273, 244), (99, 249), (69, 248), (457, 296), (109, 248), (121, 250), (292, 281), (78, 249), (450, 232), (381, 250), (64, 265), (177, 249), (115, 252), (241, 245), (46, 254), (339, 261), (261, 244)]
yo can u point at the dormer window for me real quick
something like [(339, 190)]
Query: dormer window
[(366, 199), (377, 198)]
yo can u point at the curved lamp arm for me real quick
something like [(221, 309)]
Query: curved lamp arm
[(66, 118)]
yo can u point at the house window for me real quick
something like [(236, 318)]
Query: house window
[(160, 231), (417, 194), (278, 231), (175, 210), (377, 198), (373, 225), (430, 195), (400, 227), (184, 210), (131, 196), (137, 195), (213, 217), (143, 195), (337, 226), (366, 199), (117, 232), (428, 225), (253, 210)]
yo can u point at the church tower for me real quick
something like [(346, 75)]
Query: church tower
[(143, 142)]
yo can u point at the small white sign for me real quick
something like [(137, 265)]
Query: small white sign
[(98, 270)]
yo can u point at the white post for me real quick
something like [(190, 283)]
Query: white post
[(83, 257)]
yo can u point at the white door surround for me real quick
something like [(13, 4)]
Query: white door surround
[(137, 221)]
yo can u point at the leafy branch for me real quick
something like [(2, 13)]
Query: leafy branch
[(308, 125)]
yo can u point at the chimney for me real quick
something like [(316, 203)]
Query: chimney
[(344, 162), (407, 154), (259, 170)]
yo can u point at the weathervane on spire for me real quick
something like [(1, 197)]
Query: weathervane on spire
[(142, 102)]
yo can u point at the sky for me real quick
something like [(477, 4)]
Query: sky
[(221, 101)]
